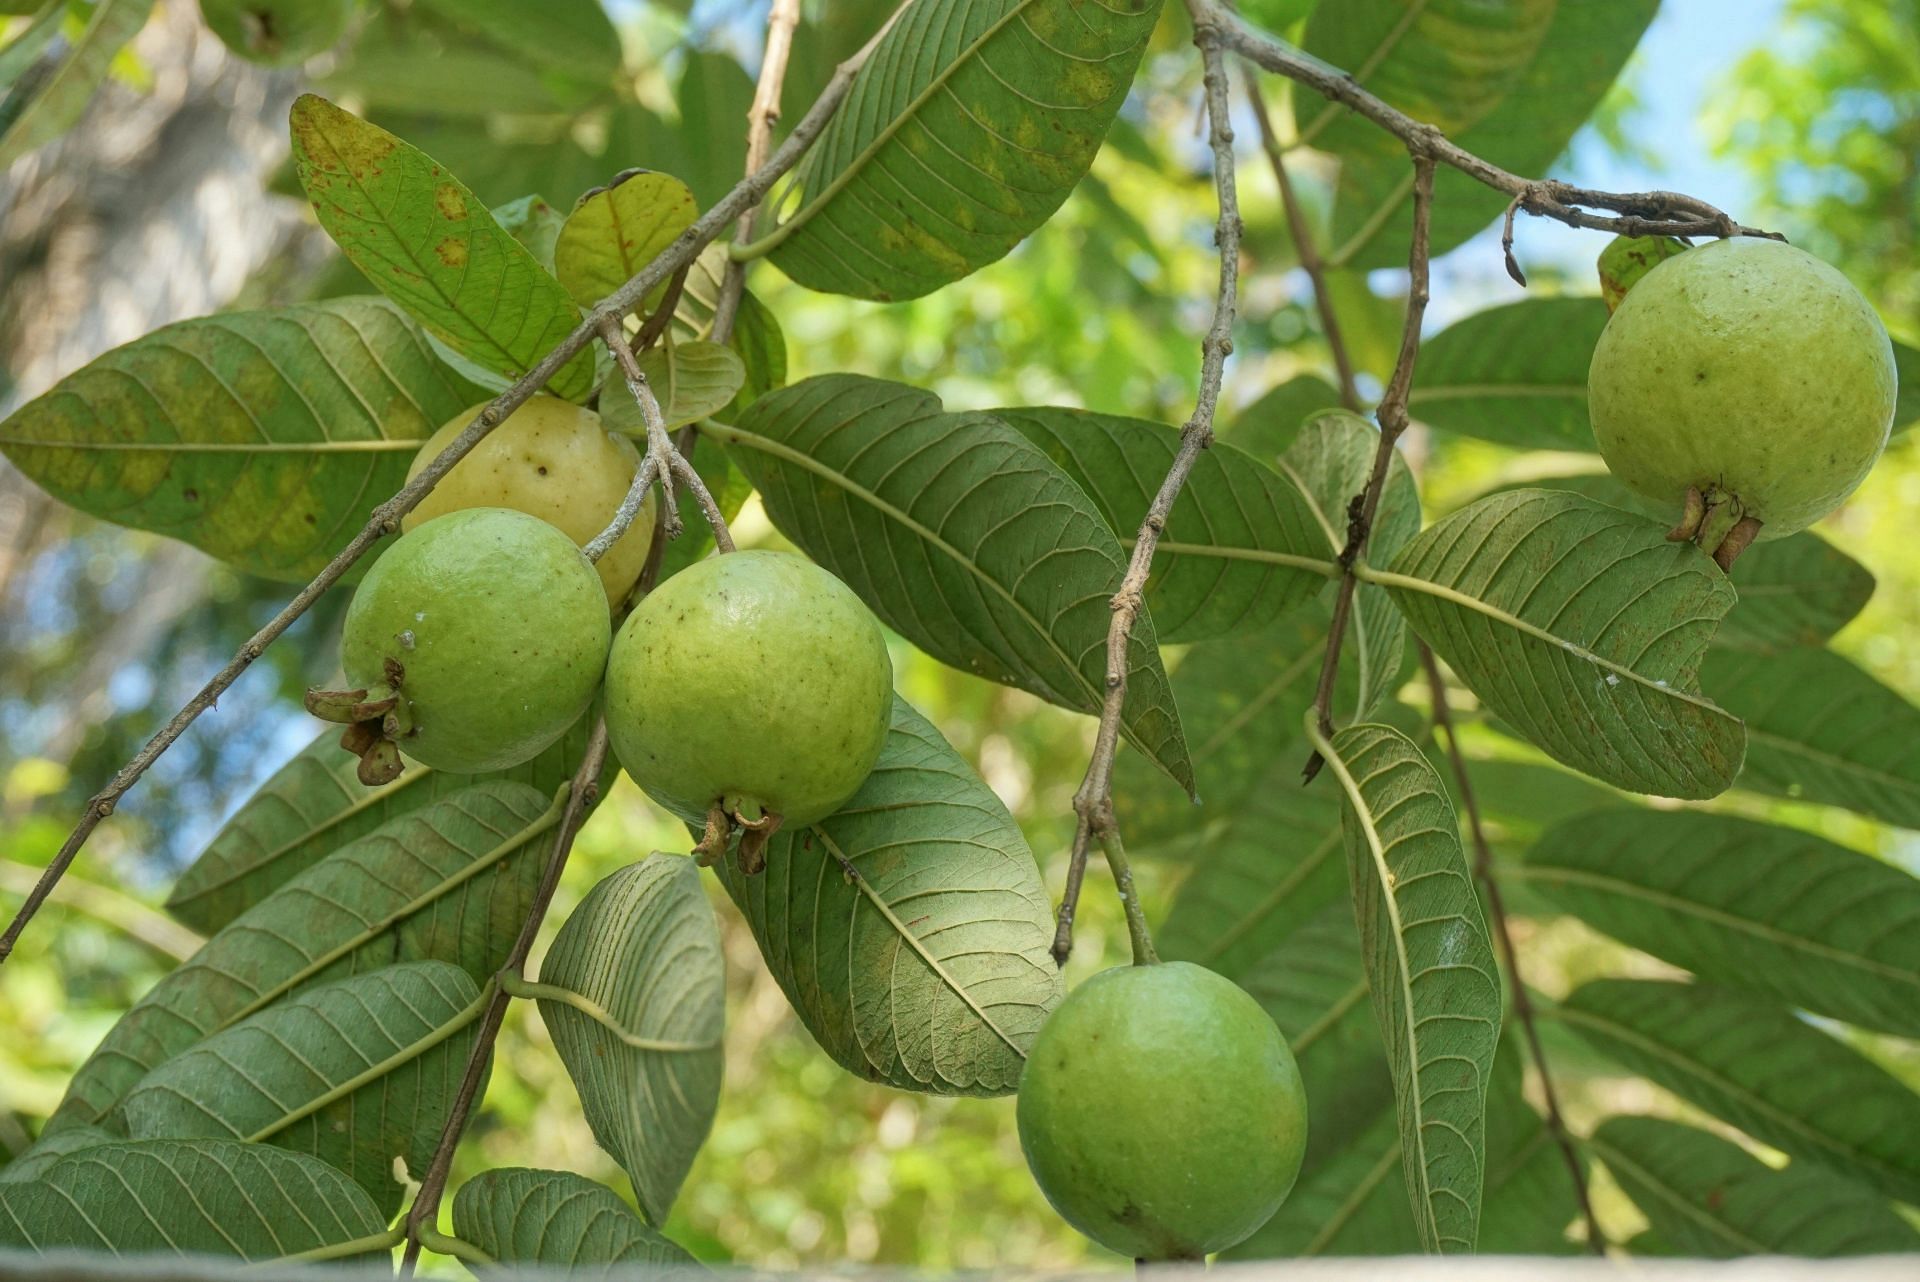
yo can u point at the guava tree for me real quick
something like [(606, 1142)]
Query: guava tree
[(520, 431)]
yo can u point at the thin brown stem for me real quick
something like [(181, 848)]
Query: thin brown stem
[(762, 115), (1392, 415), (1635, 213), (581, 793), (1093, 802), (1303, 244), (669, 464), (1496, 908), (385, 519)]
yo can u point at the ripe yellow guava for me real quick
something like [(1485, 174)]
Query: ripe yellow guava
[(1162, 1113), (473, 644), (276, 32), (755, 681), (551, 459), (1751, 371)]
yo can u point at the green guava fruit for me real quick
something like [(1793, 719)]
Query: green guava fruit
[(551, 459), (752, 681), (277, 32), (1162, 1113), (472, 645), (1749, 371)]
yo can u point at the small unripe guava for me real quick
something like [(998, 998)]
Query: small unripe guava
[(1162, 1113), (491, 629), (277, 32), (1749, 370), (551, 459), (755, 681)]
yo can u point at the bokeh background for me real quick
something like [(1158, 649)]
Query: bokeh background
[(169, 200)]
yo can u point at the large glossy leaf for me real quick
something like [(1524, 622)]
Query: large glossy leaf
[(1774, 910), (430, 245), (1820, 729), (1241, 545), (48, 1149), (355, 1073), (1586, 44), (962, 536), (643, 950), (187, 1197), (1260, 876), (56, 104), (1267, 427), (616, 232), (1755, 1065), (314, 805), (910, 930), (449, 882), (1331, 461), (1582, 627), (964, 131), (556, 1218), (1515, 375), (1713, 1199), (1530, 1195), (1430, 969), (263, 438), (757, 338), (1448, 62)]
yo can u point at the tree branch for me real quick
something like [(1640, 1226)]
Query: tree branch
[(1303, 244), (1093, 803), (1392, 415), (1522, 1002), (662, 461), (1639, 213), (385, 519), (762, 115)]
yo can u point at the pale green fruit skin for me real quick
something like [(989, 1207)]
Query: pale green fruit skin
[(755, 679), (551, 459), (1162, 1113), (1750, 366), (501, 627), (277, 32)]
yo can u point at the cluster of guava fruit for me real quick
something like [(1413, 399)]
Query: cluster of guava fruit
[(749, 690), (1745, 383)]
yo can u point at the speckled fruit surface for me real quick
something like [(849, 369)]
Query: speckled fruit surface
[(500, 629), (277, 32), (1746, 367), (551, 459), (755, 679), (1161, 1112)]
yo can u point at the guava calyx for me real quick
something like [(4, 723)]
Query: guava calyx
[(376, 721), (1716, 520), (729, 818)]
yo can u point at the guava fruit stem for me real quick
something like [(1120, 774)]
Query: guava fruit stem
[(1738, 539), (1691, 517)]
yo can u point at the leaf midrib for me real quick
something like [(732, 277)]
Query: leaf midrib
[(1674, 1198)]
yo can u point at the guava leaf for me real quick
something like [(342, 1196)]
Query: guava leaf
[(1259, 876), (910, 930), (24, 48), (188, 1197), (1821, 729), (572, 42), (1331, 461), (1447, 62), (692, 379), (33, 1162), (55, 105), (1772, 910), (1241, 546), (962, 536), (263, 438), (1430, 969), (1755, 1065), (1585, 46), (450, 882), (534, 223), (1715, 1200), (456, 81), (730, 489), (643, 947), (964, 131), (314, 805), (1515, 375), (1583, 628), (522, 1216), (1906, 404), (1266, 428), (355, 1073), (616, 232), (1796, 591), (428, 243), (757, 338)]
